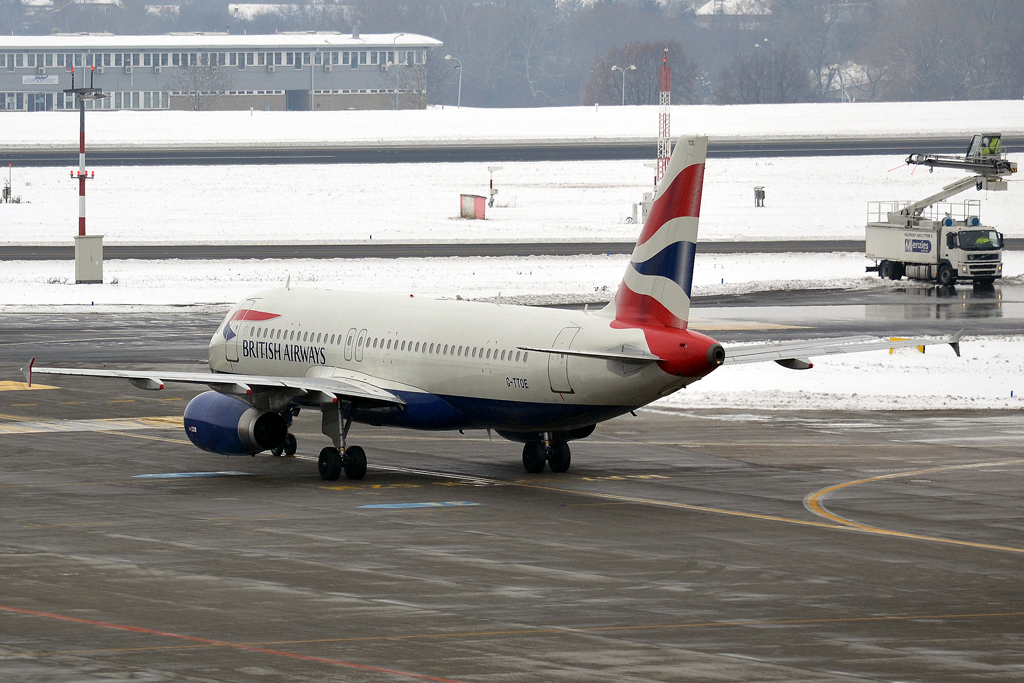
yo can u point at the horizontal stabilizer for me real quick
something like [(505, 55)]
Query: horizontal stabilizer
[(795, 354)]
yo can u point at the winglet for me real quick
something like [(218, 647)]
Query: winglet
[(27, 371), (954, 342)]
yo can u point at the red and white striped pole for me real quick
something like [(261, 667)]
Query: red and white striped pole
[(81, 166)]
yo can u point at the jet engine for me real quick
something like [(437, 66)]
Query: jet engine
[(223, 424)]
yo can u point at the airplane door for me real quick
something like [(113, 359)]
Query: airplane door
[(360, 340), (558, 364), (350, 342), (234, 329)]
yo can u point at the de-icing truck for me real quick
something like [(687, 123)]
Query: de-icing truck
[(933, 239)]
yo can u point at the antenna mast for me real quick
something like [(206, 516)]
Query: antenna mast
[(664, 112)]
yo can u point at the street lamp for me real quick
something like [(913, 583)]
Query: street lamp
[(394, 51), (449, 58), (631, 67)]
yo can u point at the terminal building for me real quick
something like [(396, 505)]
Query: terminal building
[(288, 71)]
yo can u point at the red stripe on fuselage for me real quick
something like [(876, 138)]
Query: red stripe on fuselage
[(252, 314), (643, 309), (681, 198)]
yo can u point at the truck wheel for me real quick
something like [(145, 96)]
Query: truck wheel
[(898, 271), (945, 277), (885, 270)]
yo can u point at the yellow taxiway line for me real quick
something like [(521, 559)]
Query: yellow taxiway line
[(814, 503)]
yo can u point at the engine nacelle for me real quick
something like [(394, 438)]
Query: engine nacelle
[(223, 424)]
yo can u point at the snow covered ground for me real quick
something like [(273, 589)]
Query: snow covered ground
[(982, 378), (807, 198), (449, 125)]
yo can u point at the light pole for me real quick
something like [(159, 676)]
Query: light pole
[(394, 51), (631, 67), (449, 58)]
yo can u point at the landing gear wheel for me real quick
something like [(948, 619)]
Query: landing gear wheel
[(886, 270), (290, 445), (945, 277), (329, 464), (355, 462), (534, 457), (559, 458), (276, 452)]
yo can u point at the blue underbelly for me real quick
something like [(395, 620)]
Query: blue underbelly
[(432, 412)]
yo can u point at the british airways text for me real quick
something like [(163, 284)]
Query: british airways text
[(294, 353)]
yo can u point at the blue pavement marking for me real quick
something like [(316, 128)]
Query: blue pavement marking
[(191, 475), (406, 506)]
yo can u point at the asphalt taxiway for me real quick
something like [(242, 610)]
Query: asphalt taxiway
[(684, 545)]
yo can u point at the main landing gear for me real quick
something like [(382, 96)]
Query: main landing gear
[(332, 463), (547, 451), (337, 419), (289, 446)]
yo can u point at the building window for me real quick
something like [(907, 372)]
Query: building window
[(344, 57), (373, 57), (117, 60), (49, 60), (176, 59), (234, 59), (249, 58), (362, 58), (277, 58), (334, 58), (106, 59), (31, 61)]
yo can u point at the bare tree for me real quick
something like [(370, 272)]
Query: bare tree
[(768, 75), (201, 84), (641, 85)]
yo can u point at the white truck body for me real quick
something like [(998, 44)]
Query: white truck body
[(918, 247)]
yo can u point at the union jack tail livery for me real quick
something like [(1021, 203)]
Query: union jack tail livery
[(656, 288)]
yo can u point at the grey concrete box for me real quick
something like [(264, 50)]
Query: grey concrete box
[(89, 259)]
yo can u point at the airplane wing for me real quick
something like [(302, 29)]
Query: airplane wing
[(311, 389), (794, 354)]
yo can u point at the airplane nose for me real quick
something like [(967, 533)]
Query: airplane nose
[(716, 355)]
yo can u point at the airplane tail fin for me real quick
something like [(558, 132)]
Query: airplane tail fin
[(656, 287)]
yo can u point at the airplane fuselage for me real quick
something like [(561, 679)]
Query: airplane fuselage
[(458, 364)]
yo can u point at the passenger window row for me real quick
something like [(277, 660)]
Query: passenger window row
[(383, 344)]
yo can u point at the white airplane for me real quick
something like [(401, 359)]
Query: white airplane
[(538, 376)]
